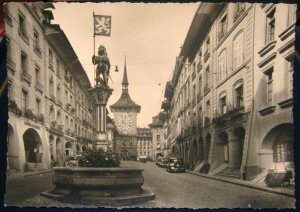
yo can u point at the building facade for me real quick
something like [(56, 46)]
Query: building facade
[(229, 102), (144, 143), (125, 115), (50, 109), (157, 131)]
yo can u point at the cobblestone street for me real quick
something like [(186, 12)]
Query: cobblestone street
[(171, 189)]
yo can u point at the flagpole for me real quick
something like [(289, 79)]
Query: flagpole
[(94, 49)]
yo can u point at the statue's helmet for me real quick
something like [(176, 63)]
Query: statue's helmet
[(102, 49)]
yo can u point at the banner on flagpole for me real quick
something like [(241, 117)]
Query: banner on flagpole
[(102, 25)]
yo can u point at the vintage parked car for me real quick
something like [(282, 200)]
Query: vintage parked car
[(175, 165), (164, 162), (158, 162)]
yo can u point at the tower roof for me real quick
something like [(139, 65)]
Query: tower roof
[(125, 102), (125, 79)]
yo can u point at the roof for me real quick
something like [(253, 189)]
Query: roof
[(156, 122), (125, 102)]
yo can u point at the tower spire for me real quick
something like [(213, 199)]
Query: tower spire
[(125, 79)]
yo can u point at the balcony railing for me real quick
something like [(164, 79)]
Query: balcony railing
[(27, 77), (230, 115), (11, 65), (23, 34)]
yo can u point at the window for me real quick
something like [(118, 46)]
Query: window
[(200, 85), (270, 26), (67, 122), (194, 92), (239, 8), (24, 100), (239, 99), (36, 41), (57, 68), (223, 105), (37, 74), (238, 50), (222, 66), (269, 75), (208, 109), (38, 106), (206, 83), (51, 86), (50, 59), (283, 151), (206, 46), (24, 63), (158, 137), (22, 26), (223, 26), (290, 76)]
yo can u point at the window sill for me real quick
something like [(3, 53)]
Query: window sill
[(286, 46), (267, 110), (287, 32), (267, 60), (286, 103), (267, 48)]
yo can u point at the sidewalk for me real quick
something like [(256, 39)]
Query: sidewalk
[(287, 191)]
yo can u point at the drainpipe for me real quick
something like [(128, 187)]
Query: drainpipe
[(252, 101)]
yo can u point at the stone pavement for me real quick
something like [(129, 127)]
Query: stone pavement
[(11, 174), (287, 191)]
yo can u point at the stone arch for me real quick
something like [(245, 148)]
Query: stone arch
[(237, 146), (32, 146), (222, 147), (78, 149), (277, 146), (68, 148), (12, 149), (193, 152)]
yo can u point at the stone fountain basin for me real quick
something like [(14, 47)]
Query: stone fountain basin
[(99, 186)]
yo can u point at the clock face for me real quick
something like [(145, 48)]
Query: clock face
[(125, 123)]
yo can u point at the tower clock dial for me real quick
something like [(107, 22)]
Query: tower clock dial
[(125, 123)]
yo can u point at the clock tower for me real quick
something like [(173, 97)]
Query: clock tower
[(125, 112)]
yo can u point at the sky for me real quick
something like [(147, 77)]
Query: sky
[(150, 35)]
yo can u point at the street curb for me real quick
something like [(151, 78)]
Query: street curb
[(266, 189)]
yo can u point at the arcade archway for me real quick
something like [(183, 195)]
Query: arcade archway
[(33, 146)]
